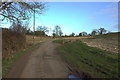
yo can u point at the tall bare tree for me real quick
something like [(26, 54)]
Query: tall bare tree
[(60, 33), (57, 31), (16, 11)]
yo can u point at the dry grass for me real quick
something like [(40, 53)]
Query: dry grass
[(37, 39), (75, 38)]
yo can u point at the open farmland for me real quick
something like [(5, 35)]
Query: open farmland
[(63, 40), (107, 42), (93, 61)]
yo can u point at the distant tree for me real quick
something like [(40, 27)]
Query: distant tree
[(89, 34), (84, 33), (57, 31), (66, 35), (97, 31), (76, 35), (102, 31), (80, 34), (72, 35), (44, 29), (60, 33), (57, 28), (94, 32), (54, 35), (41, 31)]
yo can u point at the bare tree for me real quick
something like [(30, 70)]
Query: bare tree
[(60, 33), (18, 27), (57, 28), (102, 31), (57, 31), (72, 35), (41, 30), (44, 29), (16, 11)]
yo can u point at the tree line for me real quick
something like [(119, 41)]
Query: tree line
[(56, 32), (94, 32)]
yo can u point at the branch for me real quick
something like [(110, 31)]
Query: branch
[(3, 7), (7, 17)]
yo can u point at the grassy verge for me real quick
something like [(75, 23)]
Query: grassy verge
[(60, 41), (10, 62), (91, 60)]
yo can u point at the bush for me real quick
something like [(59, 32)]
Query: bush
[(12, 42)]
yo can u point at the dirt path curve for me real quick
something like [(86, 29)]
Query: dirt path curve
[(42, 62)]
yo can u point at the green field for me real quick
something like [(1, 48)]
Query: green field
[(91, 60)]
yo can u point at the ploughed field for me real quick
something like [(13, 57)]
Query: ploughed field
[(109, 42)]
